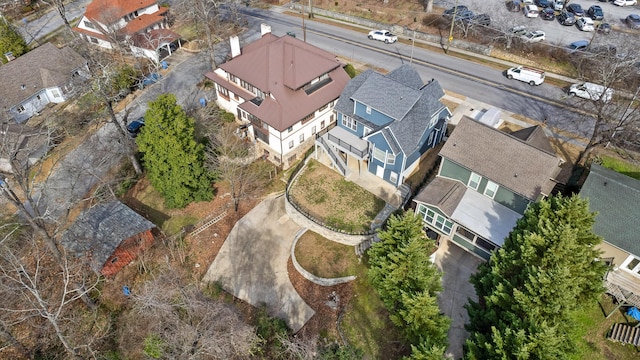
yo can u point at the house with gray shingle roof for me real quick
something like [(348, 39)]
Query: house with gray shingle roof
[(616, 200), (43, 75), (486, 180), (386, 123), (108, 236)]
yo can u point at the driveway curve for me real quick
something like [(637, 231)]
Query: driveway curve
[(252, 263)]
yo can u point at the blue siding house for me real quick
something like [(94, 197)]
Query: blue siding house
[(385, 123)]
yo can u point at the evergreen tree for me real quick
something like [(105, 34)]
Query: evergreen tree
[(545, 270), (11, 41), (408, 283), (173, 158)]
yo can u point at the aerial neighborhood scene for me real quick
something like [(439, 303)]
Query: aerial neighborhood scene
[(331, 179)]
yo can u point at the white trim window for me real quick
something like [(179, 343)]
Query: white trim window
[(379, 155), (436, 220), (491, 189), (393, 177), (474, 181), (349, 122), (632, 265), (391, 159)]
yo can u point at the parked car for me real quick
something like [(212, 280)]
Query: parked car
[(465, 16), (548, 14), (544, 3), (595, 12), (514, 5), (534, 36), (531, 11), (518, 30), (456, 9), (603, 28), (566, 18), (576, 9), (528, 75), (150, 79), (625, 2), (558, 5), (633, 21), (482, 19), (580, 45), (135, 126), (382, 35), (591, 91), (585, 24)]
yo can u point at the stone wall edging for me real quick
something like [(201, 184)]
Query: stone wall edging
[(309, 276), (303, 221)]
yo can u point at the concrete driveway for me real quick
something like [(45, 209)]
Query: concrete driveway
[(457, 266), (252, 263)]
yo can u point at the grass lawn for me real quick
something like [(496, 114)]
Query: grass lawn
[(325, 258), (621, 166), (339, 203), (591, 342)]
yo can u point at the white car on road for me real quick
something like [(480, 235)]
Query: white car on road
[(382, 35), (531, 11), (534, 36), (625, 2)]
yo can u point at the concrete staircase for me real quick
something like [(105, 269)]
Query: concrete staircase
[(625, 334)]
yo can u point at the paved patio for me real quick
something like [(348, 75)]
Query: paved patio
[(252, 263)]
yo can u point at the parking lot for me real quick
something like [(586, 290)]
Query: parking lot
[(557, 34)]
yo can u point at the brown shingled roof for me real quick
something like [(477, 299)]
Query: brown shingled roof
[(443, 193), (43, 67), (502, 158), (144, 21), (116, 8), (280, 66)]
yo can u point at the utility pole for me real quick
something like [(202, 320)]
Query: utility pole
[(413, 42), (304, 28), (453, 21)]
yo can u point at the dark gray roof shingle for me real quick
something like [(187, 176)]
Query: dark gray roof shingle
[(401, 92), (616, 198), (387, 96), (502, 158), (98, 231)]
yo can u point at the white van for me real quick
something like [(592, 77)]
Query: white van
[(591, 91), (528, 75)]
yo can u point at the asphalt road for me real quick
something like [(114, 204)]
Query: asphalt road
[(488, 85), (50, 21)]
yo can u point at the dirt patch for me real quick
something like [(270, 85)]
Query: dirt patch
[(327, 196)]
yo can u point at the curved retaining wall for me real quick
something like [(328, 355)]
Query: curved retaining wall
[(309, 276), (303, 221)]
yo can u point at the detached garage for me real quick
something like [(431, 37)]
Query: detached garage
[(109, 236)]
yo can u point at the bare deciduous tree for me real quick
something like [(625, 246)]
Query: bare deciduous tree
[(615, 68), (35, 285), (231, 157), (185, 324)]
